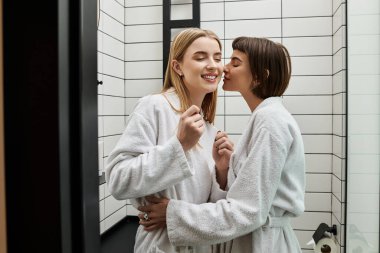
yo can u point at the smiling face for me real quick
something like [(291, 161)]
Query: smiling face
[(237, 73), (201, 67)]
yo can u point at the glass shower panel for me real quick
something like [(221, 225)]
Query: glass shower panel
[(363, 153)]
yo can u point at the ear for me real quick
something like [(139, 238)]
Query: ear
[(177, 67), (267, 73)]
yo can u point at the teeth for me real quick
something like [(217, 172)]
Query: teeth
[(210, 77)]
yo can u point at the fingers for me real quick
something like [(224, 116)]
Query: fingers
[(152, 218), (196, 121), (153, 222), (191, 111), (145, 209), (222, 141), (154, 227), (154, 199), (221, 137), (226, 144), (141, 216), (224, 152), (195, 117), (220, 134)]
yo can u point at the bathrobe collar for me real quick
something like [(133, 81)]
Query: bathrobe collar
[(172, 97), (173, 100), (266, 102)]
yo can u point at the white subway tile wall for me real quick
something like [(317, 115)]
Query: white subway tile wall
[(314, 33), (363, 114), (111, 100)]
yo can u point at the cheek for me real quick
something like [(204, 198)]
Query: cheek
[(220, 68)]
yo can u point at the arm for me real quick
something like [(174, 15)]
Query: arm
[(221, 152), (247, 204), (138, 167)]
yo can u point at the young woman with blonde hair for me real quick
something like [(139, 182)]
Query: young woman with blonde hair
[(167, 147), (266, 179)]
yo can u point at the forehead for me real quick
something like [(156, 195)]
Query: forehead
[(239, 54), (204, 44)]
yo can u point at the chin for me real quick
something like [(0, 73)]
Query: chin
[(226, 88), (212, 87)]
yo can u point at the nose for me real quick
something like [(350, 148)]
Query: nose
[(211, 65), (225, 69)]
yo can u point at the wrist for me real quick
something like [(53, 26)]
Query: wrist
[(221, 177), (184, 146), (221, 168)]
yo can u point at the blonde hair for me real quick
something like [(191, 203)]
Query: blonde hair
[(179, 46)]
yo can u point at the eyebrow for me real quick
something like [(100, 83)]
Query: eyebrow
[(205, 53), (236, 58)]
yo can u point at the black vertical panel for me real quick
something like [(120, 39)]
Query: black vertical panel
[(81, 106), (169, 24), (31, 126), (64, 123), (166, 9), (89, 123)]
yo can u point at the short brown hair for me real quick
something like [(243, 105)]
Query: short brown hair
[(269, 63), (179, 46)]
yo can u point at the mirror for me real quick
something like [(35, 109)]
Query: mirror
[(130, 42)]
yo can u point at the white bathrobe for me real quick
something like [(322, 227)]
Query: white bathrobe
[(149, 159), (266, 184)]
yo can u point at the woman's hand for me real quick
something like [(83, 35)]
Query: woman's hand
[(221, 152), (190, 127), (153, 216)]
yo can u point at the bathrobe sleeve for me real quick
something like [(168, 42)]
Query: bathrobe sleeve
[(246, 206), (139, 167)]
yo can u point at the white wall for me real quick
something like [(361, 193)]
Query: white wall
[(363, 125), (111, 99), (313, 31)]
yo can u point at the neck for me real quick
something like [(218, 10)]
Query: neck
[(197, 100), (252, 100)]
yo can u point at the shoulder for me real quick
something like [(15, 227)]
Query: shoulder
[(275, 118), (155, 99), (149, 104), (271, 112)]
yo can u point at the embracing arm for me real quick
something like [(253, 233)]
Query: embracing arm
[(246, 207)]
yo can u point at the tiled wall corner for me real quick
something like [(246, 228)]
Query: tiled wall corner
[(338, 180)]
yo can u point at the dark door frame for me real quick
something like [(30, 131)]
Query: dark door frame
[(78, 103), (50, 121)]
